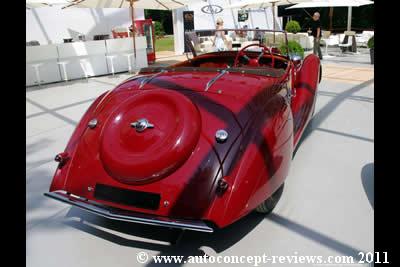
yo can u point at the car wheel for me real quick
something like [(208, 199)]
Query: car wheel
[(269, 204), (320, 74)]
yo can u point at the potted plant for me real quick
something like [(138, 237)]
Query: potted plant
[(293, 27), (294, 49), (371, 48)]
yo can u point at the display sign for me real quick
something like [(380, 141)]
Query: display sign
[(212, 9), (243, 15), (188, 21)]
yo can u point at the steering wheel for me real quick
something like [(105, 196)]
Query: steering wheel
[(254, 61)]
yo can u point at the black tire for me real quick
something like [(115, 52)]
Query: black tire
[(320, 74), (269, 204)]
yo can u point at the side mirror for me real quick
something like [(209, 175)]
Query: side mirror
[(296, 59)]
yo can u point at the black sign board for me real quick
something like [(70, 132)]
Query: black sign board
[(243, 15), (188, 22)]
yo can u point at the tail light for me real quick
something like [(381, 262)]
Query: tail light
[(222, 186), (62, 158)]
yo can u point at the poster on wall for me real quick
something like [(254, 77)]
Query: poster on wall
[(243, 15), (188, 25)]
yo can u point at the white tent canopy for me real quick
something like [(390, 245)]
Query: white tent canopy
[(131, 4), (335, 3)]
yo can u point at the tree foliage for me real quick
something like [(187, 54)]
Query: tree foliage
[(162, 16), (158, 29)]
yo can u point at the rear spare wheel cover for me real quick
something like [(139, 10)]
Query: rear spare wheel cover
[(135, 155)]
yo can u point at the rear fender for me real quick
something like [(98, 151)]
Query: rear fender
[(307, 79), (61, 172), (260, 164)]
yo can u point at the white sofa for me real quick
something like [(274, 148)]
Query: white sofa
[(41, 64)]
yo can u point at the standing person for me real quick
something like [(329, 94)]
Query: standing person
[(219, 38), (316, 32)]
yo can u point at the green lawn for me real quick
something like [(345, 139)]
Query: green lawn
[(165, 44)]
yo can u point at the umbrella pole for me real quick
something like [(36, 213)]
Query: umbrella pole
[(330, 18), (349, 15), (132, 9)]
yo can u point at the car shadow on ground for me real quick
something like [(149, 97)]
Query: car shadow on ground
[(367, 178), (328, 108), (160, 238), (191, 243)]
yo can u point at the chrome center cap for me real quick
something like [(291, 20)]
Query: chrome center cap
[(141, 125)]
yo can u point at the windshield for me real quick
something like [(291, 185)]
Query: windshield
[(206, 41)]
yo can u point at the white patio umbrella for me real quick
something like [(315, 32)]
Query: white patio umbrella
[(335, 3), (131, 4), (264, 4)]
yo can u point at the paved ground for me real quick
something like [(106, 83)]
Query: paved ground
[(326, 208)]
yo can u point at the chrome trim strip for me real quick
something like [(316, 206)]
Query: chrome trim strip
[(127, 216), (267, 72), (145, 81), (213, 80)]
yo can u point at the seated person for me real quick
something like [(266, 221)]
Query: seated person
[(242, 34), (258, 36)]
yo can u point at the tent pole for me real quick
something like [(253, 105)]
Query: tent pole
[(132, 9), (273, 18)]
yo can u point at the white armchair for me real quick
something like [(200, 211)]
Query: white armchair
[(362, 39), (329, 40), (307, 42)]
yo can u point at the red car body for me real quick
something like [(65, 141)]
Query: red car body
[(173, 172)]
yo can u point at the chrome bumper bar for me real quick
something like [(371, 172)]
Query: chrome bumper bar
[(127, 216)]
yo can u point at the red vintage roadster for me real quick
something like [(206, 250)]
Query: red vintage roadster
[(196, 145)]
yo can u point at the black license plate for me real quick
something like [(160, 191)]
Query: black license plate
[(134, 198)]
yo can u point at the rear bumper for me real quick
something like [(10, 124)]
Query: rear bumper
[(128, 216)]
